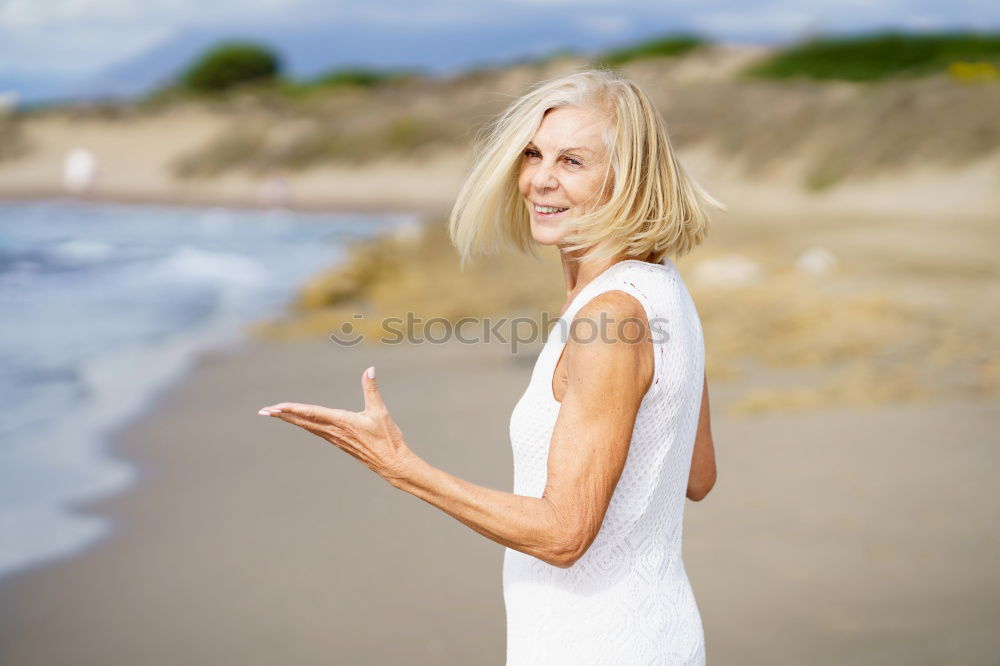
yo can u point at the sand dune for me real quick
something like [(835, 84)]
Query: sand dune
[(930, 144)]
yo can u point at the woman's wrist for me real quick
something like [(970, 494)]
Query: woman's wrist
[(399, 471)]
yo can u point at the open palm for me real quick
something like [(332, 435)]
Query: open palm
[(370, 435)]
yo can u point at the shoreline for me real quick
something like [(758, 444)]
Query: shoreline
[(97, 474)]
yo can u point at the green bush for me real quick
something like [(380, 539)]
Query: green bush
[(661, 47), (878, 56), (364, 78), (231, 64), (357, 78)]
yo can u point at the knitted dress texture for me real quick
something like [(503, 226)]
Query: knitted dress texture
[(627, 601)]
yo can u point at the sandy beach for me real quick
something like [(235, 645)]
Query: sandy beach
[(853, 522), (839, 536)]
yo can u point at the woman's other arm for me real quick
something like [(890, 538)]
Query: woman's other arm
[(702, 476)]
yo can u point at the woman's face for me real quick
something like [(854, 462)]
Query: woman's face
[(563, 168)]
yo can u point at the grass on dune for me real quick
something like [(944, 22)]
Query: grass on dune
[(660, 47), (877, 56)]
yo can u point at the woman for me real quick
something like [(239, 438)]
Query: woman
[(613, 430)]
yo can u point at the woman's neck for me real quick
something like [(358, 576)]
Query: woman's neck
[(579, 273)]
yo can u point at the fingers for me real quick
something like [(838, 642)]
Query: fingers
[(305, 411), (373, 399), (335, 430), (294, 407), (295, 412), (269, 411), (301, 421)]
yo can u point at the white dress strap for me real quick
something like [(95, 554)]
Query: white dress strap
[(627, 276)]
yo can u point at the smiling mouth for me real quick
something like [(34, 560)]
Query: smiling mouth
[(548, 211)]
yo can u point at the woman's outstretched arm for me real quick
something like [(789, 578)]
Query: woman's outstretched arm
[(587, 452)]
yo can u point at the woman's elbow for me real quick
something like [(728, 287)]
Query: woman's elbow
[(698, 491), (569, 546), (562, 561), (564, 553)]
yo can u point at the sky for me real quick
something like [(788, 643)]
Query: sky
[(74, 38)]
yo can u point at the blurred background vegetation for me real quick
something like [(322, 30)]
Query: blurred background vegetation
[(297, 125)]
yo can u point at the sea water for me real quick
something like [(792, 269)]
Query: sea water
[(103, 306)]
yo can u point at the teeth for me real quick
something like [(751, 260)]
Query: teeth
[(549, 209)]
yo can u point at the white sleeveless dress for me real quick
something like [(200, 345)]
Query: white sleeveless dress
[(627, 601)]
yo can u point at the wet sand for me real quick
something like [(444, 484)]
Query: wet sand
[(840, 536)]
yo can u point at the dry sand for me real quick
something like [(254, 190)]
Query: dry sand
[(843, 536)]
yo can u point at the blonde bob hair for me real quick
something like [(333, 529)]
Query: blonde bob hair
[(653, 211)]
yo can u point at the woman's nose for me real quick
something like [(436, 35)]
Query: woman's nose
[(544, 178)]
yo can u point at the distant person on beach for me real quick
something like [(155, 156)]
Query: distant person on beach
[(79, 170), (613, 431)]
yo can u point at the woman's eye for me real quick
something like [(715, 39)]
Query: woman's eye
[(531, 152)]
